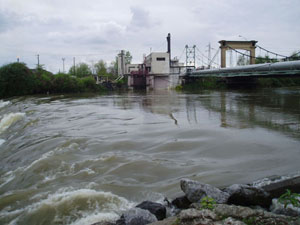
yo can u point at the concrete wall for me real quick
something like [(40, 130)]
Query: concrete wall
[(131, 67), (157, 64), (161, 82)]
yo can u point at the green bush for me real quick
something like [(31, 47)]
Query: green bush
[(289, 198), (279, 82), (16, 79), (208, 203), (43, 82), (205, 83), (64, 83), (89, 84)]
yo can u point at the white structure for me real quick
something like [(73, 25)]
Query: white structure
[(121, 63), (157, 71)]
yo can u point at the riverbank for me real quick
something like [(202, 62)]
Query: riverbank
[(262, 203)]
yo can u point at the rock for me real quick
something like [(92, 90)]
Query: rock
[(193, 216), (181, 202), (228, 215), (136, 216), (231, 221), (279, 208), (195, 191), (103, 223), (155, 208), (253, 216), (246, 195), (169, 221), (278, 188)]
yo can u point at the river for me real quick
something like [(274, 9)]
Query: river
[(82, 159)]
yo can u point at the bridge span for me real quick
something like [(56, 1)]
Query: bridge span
[(278, 69)]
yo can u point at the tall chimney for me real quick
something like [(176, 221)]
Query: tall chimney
[(169, 45)]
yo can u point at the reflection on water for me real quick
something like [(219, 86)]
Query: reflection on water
[(100, 154), (268, 109)]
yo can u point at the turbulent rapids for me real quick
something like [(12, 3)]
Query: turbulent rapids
[(85, 159)]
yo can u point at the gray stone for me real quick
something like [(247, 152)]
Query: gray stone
[(246, 195), (278, 188), (194, 216), (169, 221), (136, 216), (104, 223), (181, 202), (156, 209), (195, 191), (279, 208), (231, 221), (253, 215)]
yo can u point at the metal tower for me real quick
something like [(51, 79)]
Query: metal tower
[(190, 57)]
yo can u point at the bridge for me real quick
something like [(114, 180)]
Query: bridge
[(276, 67)]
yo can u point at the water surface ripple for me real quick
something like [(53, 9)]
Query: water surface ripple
[(79, 160)]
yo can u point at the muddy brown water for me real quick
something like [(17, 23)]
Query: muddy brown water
[(82, 159)]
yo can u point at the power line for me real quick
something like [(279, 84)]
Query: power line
[(206, 57), (271, 52)]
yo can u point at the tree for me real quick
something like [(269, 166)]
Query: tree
[(101, 68), (81, 70), (128, 57), (294, 56), (16, 79), (266, 59), (113, 68), (242, 61)]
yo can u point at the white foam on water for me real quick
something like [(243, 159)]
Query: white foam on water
[(9, 119), (96, 217), (267, 181), (99, 206), (10, 175), (4, 103), (6, 178)]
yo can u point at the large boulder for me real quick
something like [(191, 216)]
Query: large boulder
[(136, 216), (195, 191), (246, 195), (181, 202), (253, 216), (289, 210), (156, 209), (277, 188), (104, 223)]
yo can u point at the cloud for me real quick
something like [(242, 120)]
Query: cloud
[(141, 19), (7, 21), (104, 27)]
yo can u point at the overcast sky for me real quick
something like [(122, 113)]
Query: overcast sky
[(96, 29)]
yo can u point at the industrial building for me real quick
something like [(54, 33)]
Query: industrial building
[(157, 71)]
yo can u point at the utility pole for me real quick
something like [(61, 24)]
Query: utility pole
[(38, 59), (209, 55), (74, 69), (63, 59), (18, 59)]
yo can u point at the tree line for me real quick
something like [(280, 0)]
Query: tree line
[(100, 68), (17, 79)]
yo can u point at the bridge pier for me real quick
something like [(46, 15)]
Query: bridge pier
[(232, 45)]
